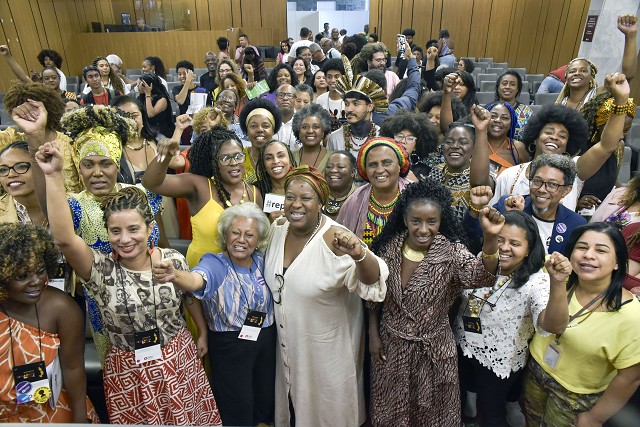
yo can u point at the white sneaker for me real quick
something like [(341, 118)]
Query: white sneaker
[(470, 407), (515, 417)]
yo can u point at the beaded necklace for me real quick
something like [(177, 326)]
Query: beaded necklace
[(377, 216), (357, 141), (476, 303), (333, 205)]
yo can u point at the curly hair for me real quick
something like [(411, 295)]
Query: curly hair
[(263, 182), (260, 103), (247, 210), (158, 66), (311, 110), (23, 92), (333, 65), (556, 113), (432, 99), (52, 54), (613, 296), (128, 198), (115, 81), (82, 119), (536, 254), (25, 247), (204, 114), (419, 125), (272, 79), (509, 73), (564, 164), (184, 64), (203, 156), (426, 190), (307, 68), (241, 85), (230, 63), (148, 131)]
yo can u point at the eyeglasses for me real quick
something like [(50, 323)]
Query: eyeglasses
[(280, 279), (226, 159), (226, 99), (551, 187), (282, 95), (19, 168), (398, 137)]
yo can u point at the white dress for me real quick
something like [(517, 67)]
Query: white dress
[(320, 331)]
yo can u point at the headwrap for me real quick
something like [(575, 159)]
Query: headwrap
[(403, 157), (363, 86), (592, 83), (311, 176), (99, 141), (605, 110), (262, 112)]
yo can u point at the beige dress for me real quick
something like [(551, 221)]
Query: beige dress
[(320, 332)]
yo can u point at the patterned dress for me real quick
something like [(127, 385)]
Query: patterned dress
[(172, 390), (25, 349), (458, 185), (418, 383), (523, 112)]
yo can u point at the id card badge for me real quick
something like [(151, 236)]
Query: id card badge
[(31, 383), (147, 346), (473, 331), (58, 279), (252, 325), (552, 355), (54, 373)]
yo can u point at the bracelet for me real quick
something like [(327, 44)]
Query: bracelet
[(474, 209), (364, 255), (490, 256), (621, 110)]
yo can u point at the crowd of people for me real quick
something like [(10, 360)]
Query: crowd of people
[(367, 243)]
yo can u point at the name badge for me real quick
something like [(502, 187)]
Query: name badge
[(54, 372), (147, 346), (552, 355), (273, 202), (59, 277), (473, 331), (31, 383), (252, 325)]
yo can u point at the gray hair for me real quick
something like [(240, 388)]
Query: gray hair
[(314, 47), (248, 210), (305, 88), (563, 163), (311, 110)]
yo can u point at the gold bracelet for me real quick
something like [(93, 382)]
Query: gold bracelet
[(490, 256), (620, 110), (474, 209)]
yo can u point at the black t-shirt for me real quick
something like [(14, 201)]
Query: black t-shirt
[(182, 107), (208, 82)]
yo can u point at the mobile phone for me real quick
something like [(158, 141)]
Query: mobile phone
[(402, 41)]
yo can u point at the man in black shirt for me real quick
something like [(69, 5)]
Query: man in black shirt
[(208, 80)]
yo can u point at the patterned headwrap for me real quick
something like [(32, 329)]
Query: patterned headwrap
[(99, 141), (403, 157), (311, 176), (592, 82), (604, 112)]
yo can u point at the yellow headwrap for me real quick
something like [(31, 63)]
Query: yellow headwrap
[(262, 112), (99, 141)]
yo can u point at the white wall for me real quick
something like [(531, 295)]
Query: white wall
[(352, 21), (605, 51)]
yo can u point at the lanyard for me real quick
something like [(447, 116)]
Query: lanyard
[(13, 360), (582, 311), (126, 296), (485, 300), (233, 266)]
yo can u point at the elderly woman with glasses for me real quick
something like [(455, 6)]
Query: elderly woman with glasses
[(234, 293), (320, 322)]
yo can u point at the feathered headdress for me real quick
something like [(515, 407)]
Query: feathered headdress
[(362, 85)]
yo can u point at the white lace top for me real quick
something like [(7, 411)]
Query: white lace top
[(508, 327)]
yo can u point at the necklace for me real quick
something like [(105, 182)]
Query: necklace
[(244, 195), (333, 205), (377, 216), (411, 254), (144, 145), (476, 303), (315, 230), (374, 203), (449, 174), (315, 161), (357, 141)]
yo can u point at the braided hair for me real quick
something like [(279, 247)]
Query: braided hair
[(425, 191), (128, 198), (203, 156), (264, 183), (512, 129), (590, 111)]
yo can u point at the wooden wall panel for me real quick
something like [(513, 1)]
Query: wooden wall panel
[(455, 18), (221, 17), (252, 13), (480, 18), (422, 17)]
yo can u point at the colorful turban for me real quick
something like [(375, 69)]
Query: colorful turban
[(403, 157), (311, 176), (99, 141)]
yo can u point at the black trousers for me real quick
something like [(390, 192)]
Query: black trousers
[(243, 376), (493, 391)]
